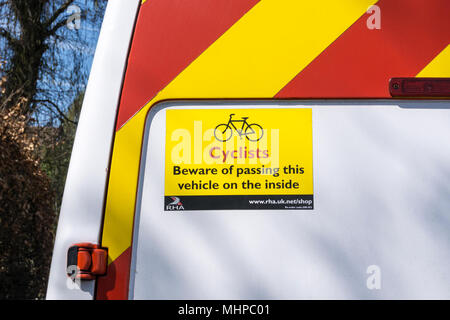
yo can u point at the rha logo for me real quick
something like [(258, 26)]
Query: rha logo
[(175, 205)]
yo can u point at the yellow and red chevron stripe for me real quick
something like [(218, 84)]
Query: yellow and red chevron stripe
[(289, 49)]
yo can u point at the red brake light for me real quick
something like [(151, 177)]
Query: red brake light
[(420, 87)]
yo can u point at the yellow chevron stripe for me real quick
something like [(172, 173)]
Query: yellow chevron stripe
[(439, 67), (256, 57)]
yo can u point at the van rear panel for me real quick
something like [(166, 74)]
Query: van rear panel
[(301, 87)]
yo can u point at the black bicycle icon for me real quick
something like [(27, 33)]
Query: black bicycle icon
[(253, 132)]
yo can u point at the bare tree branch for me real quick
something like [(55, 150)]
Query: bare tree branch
[(55, 16), (55, 108)]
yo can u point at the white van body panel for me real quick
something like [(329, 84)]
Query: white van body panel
[(81, 214)]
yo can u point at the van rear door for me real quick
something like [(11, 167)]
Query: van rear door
[(227, 179)]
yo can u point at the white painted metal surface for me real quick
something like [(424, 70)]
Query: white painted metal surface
[(382, 203), (82, 207)]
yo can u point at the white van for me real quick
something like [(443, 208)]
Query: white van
[(244, 149)]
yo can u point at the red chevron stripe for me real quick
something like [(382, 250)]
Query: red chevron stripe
[(169, 35), (115, 285), (360, 63)]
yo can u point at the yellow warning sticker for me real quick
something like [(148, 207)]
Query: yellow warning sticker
[(238, 159)]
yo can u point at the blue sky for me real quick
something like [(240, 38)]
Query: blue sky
[(75, 51)]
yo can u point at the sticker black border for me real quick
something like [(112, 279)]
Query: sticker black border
[(239, 202)]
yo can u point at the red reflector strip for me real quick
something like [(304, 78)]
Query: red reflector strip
[(420, 87)]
